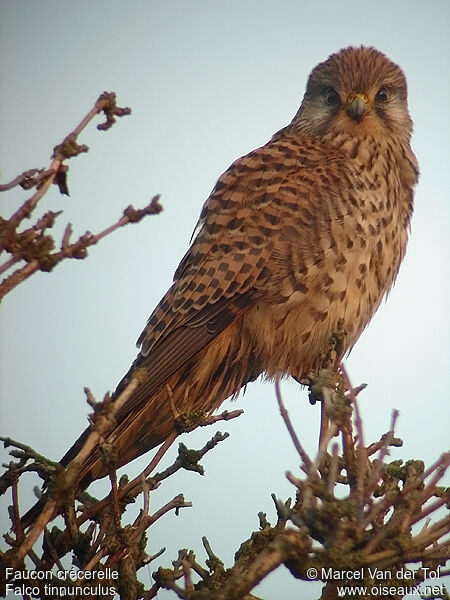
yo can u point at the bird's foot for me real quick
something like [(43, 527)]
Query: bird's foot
[(327, 387), (336, 348), (326, 378)]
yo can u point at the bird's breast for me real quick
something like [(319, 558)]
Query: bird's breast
[(331, 277)]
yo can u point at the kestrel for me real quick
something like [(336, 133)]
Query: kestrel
[(299, 237)]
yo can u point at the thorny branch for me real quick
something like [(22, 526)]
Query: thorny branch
[(34, 245), (372, 524), (128, 539), (369, 526)]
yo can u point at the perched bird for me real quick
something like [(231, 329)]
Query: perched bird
[(299, 237)]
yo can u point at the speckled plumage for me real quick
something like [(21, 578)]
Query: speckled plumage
[(298, 237)]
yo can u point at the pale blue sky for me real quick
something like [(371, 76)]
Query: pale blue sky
[(207, 82)]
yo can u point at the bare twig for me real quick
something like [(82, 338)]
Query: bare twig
[(307, 462), (361, 450), (77, 249), (26, 180), (104, 423)]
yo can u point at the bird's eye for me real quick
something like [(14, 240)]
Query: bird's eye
[(382, 95), (331, 97)]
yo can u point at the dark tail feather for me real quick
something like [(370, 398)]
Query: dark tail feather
[(31, 515), (200, 362)]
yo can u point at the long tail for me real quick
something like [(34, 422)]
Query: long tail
[(217, 371)]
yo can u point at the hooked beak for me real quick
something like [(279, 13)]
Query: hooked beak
[(357, 105)]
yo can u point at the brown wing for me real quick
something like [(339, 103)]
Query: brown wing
[(224, 270)]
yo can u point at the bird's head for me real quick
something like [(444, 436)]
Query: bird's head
[(357, 91)]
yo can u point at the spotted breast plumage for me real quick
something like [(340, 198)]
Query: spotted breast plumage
[(298, 237)]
